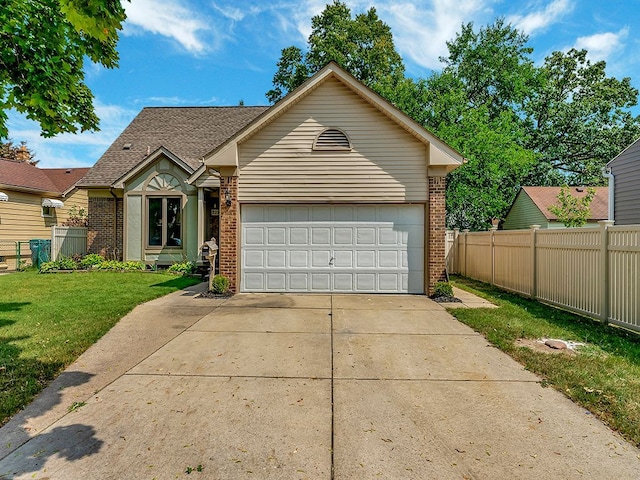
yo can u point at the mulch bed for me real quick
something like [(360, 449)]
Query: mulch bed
[(444, 299), (210, 294)]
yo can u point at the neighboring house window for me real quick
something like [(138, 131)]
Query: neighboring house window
[(165, 221), (47, 211), (332, 139)]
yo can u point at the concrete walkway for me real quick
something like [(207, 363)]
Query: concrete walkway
[(303, 386)]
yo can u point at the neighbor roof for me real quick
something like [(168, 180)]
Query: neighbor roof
[(23, 175), (187, 132), (544, 197)]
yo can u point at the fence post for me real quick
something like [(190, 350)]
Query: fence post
[(466, 234), (493, 253), (604, 269), (534, 272), (456, 250)]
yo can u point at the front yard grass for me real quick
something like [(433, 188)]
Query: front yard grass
[(47, 321), (604, 375)]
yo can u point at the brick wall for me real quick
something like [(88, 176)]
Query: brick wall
[(437, 227), (105, 227), (228, 244)]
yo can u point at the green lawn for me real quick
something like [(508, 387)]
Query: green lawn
[(604, 376), (47, 321)]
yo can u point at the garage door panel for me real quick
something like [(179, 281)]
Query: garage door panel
[(298, 236), (254, 258), (299, 282), (345, 248), (366, 259), (343, 259), (276, 258), (320, 236), (320, 282), (299, 259), (277, 281), (320, 258), (254, 236)]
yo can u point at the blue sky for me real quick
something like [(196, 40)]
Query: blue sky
[(218, 52)]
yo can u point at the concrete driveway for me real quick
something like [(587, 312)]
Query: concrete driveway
[(303, 386)]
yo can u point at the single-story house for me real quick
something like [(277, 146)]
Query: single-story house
[(330, 189), (624, 184), (32, 200), (531, 207)]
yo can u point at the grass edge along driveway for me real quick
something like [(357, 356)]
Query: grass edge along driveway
[(48, 321), (604, 374)]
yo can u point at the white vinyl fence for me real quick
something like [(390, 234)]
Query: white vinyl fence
[(591, 271), (68, 241)]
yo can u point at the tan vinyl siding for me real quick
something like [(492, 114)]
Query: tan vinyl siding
[(523, 214), (21, 217), (626, 169), (386, 163)]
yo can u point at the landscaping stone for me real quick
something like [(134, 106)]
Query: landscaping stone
[(556, 344)]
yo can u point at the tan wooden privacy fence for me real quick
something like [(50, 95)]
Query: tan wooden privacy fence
[(591, 271), (68, 241)]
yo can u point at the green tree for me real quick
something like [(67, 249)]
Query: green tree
[(549, 125), (43, 46), (573, 211), (579, 119), (362, 45), (473, 105), (21, 152)]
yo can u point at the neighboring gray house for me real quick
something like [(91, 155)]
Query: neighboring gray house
[(531, 207), (624, 183)]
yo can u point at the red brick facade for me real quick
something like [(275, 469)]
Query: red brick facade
[(437, 227), (105, 227), (228, 253)]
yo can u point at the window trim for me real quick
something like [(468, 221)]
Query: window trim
[(164, 197)]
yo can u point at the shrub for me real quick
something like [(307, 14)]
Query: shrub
[(219, 284), (442, 289), (182, 268), (117, 265), (63, 263), (90, 260)]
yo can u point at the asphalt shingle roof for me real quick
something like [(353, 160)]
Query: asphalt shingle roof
[(24, 175), (187, 132), (544, 197)]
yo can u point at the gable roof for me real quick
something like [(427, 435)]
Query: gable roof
[(188, 132), (544, 197), (443, 156), (25, 176)]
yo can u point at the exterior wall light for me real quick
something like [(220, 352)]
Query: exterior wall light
[(227, 197)]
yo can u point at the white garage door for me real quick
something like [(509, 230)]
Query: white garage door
[(337, 248)]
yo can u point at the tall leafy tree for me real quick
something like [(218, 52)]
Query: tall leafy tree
[(554, 124), (579, 119), (473, 105), (43, 46), (362, 45)]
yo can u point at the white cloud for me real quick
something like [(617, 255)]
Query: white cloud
[(168, 18), (71, 150), (542, 19), (602, 45), (421, 33)]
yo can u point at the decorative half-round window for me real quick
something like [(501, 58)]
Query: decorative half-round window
[(332, 139), (163, 181)]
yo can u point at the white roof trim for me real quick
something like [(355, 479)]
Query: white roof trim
[(152, 157), (4, 197), (454, 158), (51, 202)]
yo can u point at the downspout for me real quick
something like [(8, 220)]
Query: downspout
[(606, 172), (115, 222)]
